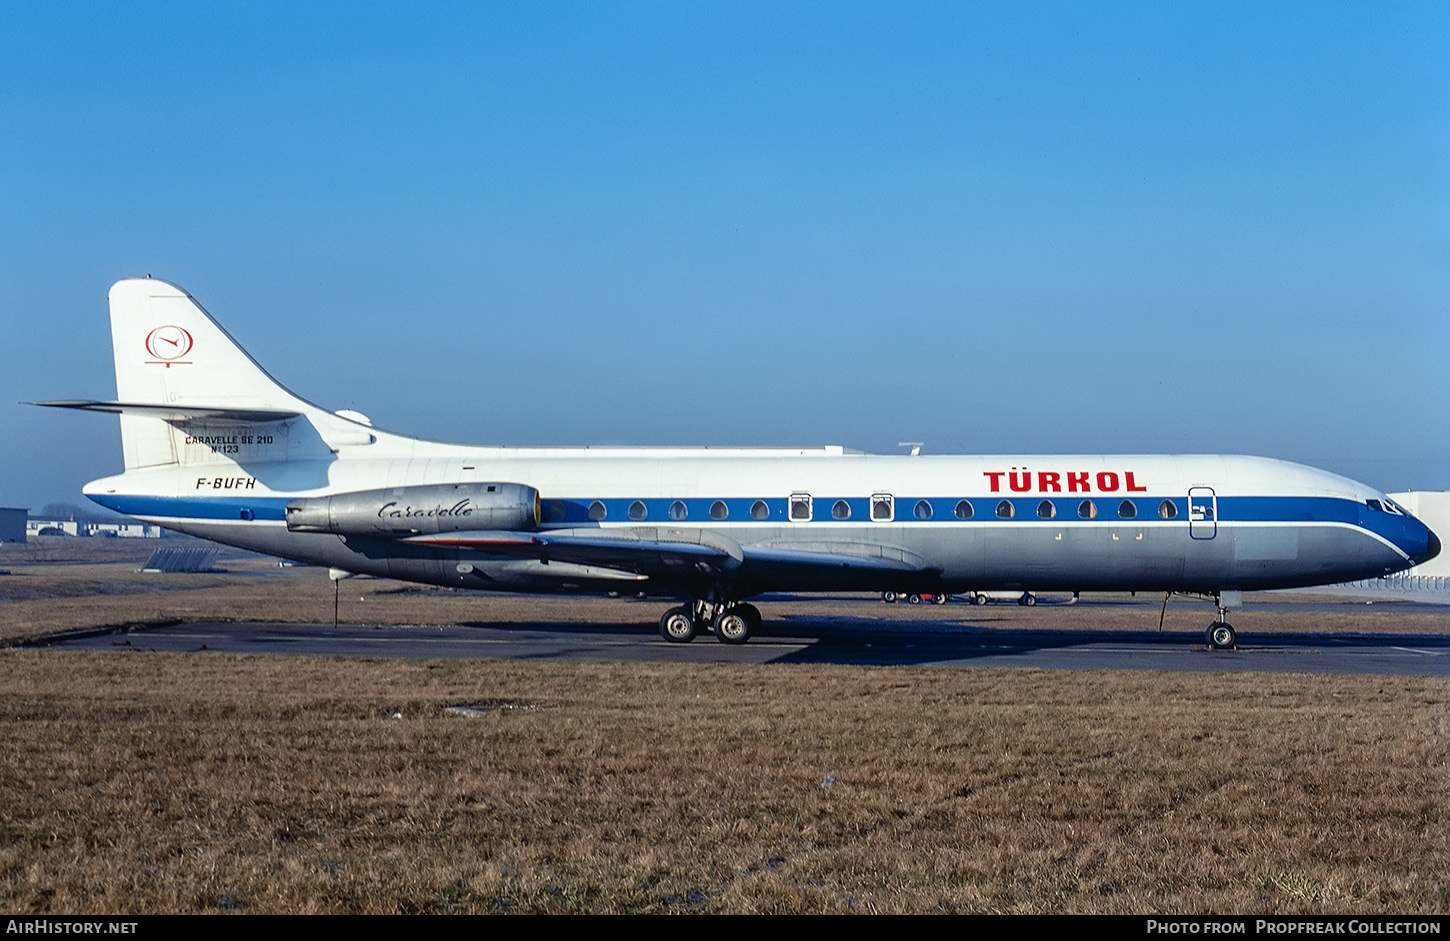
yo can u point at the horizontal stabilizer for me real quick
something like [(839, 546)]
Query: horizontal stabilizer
[(209, 413)]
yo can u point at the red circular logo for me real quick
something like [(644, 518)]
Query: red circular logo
[(168, 343)]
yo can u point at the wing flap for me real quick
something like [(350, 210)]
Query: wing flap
[(673, 553), (837, 556), (645, 551)]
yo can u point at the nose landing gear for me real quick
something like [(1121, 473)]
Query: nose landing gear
[(1221, 636)]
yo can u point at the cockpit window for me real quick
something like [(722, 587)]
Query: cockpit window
[(1374, 505)]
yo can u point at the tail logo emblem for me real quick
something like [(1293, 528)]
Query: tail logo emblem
[(168, 344)]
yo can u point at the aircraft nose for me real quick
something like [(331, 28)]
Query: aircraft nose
[(1432, 544)]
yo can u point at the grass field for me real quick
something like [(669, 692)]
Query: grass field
[(140, 782)]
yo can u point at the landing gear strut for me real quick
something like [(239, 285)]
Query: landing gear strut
[(1220, 634), (732, 622)]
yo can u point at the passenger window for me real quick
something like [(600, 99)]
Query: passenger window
[(1045, 510), (1004, 510), (759, 511), (597, 511), (922, 510), (1167, 509), (800, 507), (841, 510), (1087, 510), (964, 510), (678, 510), (719, 511), (883, 508), (637, 510), (1127, 510)]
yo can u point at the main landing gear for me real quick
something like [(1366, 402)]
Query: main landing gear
[(733, 623)]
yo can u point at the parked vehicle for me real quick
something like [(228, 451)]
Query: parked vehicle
[(891, 597), (982, 597)]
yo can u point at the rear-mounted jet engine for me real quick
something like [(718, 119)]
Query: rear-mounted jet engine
[(417, 511)]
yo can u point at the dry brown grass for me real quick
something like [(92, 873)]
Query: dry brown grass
[(173, 783)]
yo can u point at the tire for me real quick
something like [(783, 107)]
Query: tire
[(732, 626), (890, 597), (913, 599), (940, 599), (677, 626), (1029, 599), (979, 599), (1221, 636)]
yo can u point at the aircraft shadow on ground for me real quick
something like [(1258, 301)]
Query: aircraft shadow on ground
[(813, 639), (870, 640), (860, 640)]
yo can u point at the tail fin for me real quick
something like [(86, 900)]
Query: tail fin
[(188, 394), (170, 352)]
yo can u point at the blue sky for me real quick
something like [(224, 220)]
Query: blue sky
[(1026, 228)]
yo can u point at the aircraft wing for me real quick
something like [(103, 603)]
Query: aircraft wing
[(646, 551), (668, 552)]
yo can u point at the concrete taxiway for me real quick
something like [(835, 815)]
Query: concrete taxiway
[(810, 639)]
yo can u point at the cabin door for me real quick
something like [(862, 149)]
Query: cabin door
[(1202, 513)]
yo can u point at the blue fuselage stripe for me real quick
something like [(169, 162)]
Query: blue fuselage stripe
[(924, 511)]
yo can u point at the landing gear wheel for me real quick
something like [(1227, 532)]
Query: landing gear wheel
[(889, 597), (677, 626), (1027, 599), (733, 626), (979, 599), (939, 599), (1220, 636), (913, 599)]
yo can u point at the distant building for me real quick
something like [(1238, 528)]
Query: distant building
[(52, 528), (125, 529), (12, 524)]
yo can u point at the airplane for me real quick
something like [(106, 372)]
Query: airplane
[(215, 447)]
